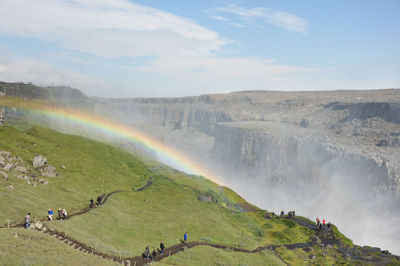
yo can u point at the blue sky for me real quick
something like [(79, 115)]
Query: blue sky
[(146, 48)]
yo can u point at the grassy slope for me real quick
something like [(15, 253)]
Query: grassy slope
[(26, 247), (129, 221)]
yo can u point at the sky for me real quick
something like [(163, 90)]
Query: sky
[(165, 48)]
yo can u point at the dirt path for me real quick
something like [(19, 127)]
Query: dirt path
[(104, 198)]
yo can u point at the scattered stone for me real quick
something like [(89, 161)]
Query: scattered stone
[(312, 257), (34, 145), (38, 225), (45, 183), (49, 171), (26, 178), (34, 184), (19, 159), (5, 153), (63, 166), (21, 169), (4, 175), (8, 167), (10, 187), (44, 229), (41, 180), (39, 161), (15, 235), (28, 182)]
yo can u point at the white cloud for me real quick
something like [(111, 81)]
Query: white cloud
[(107, 28), (220, 18), (284, 20), (43, 73)]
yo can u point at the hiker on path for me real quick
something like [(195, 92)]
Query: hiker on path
[(50, 213), (27, 220), (64, 214), (282, 213), (318, 222), (162, 247), (98, 201), (91, 205), (185, 238), (154, 254), (59, 212), (323, 222), (147, 252)]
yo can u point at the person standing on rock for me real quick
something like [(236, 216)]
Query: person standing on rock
[(27, 220), (162, 247), (59, 213), (50, 213), (64, 214)]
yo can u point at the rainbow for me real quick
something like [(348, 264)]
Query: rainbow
[(118, 129)]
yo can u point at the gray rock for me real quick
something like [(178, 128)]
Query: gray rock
[(63, 166), (26, 178), (49, 171), (4, 175), (38, 225), (5, 153), (8, 167), (45, 183), (21, 169), (42, 181), (39, 161)]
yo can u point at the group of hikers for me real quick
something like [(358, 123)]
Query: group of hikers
[(62, 214), (147, 255), (290, 213), (98, 202), (321, 225)]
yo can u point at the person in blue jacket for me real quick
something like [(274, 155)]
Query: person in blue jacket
[(185, 238), (50, 213)]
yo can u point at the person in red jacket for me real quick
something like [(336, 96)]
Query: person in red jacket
[(323, 222)]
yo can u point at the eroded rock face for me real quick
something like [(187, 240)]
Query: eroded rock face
[(39, 161)]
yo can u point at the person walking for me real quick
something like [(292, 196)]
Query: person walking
[(185, 238), (98, 201), (64, 214), (162, 247), (50, 214), (323, 222), (27, 220), (91, 205), (318, 221), (154, 254), (59, 212)]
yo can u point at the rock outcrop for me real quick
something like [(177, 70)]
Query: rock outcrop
[(39, 161)]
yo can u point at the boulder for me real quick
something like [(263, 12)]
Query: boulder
[(10, 187), (8, 167), (39, 161), (5, 176)]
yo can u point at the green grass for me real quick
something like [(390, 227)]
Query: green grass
[(27, 247), (129, 221), (210, 256)]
